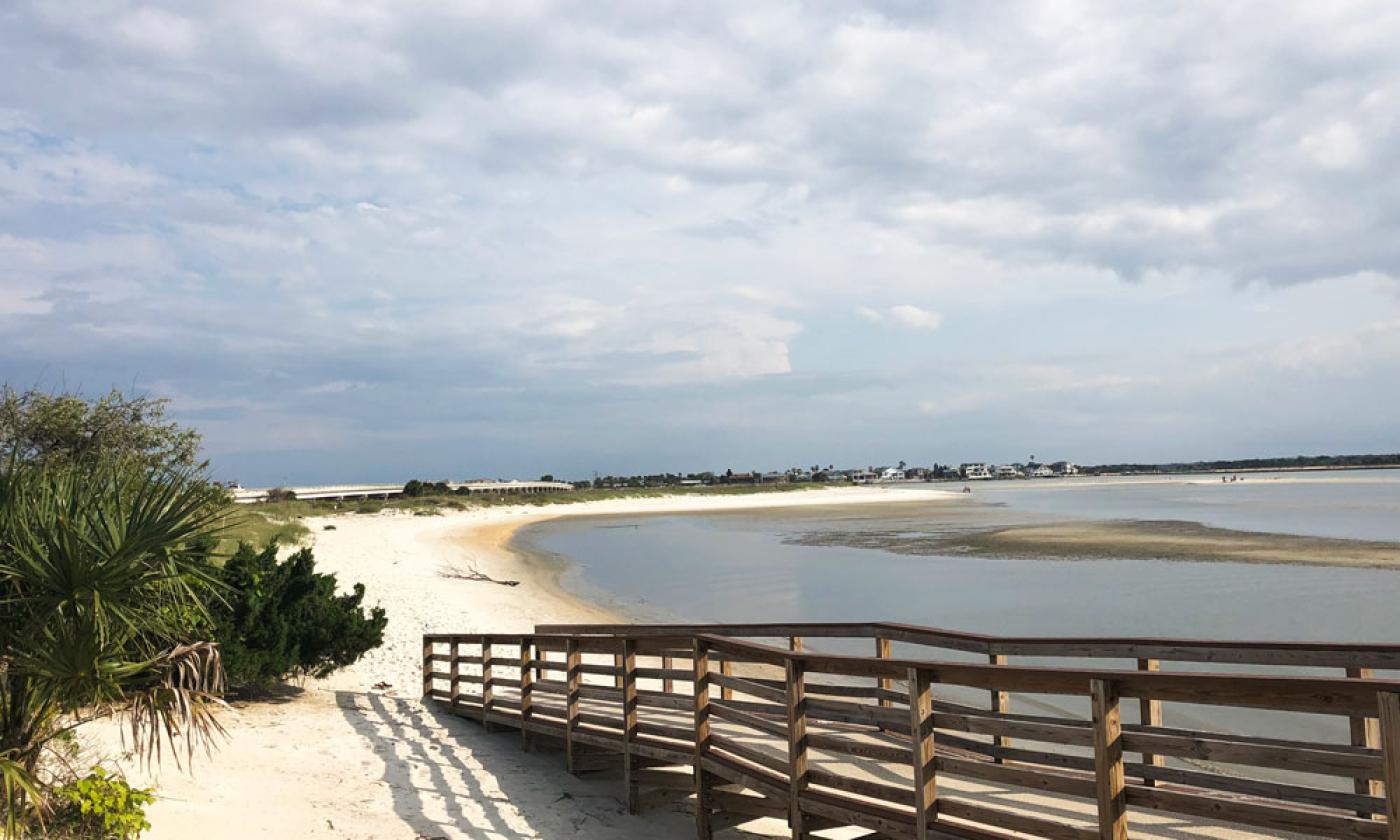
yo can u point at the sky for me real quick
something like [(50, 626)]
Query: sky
[(386, 239)]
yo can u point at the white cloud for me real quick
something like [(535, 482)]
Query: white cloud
[(915, 318), (597, 209), (903, 315), (1334, 146)]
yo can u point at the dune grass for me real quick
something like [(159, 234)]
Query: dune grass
[(260, 527)]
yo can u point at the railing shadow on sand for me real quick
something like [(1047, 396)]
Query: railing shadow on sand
[(449, 777)]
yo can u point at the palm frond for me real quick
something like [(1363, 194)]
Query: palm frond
[(181, 707), (23, 792)]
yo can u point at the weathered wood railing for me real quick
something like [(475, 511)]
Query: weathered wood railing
[(824, 740)]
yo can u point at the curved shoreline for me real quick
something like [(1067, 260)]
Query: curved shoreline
[(494, 537)]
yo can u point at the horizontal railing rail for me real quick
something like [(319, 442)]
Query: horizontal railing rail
[(1237, 652), (750, 730)]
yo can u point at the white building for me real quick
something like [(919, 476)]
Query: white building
[(976, 471), (892, 474), (1042, 471), (1008, 471), (1064, 468)]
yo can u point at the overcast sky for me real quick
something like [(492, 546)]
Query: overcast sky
[(376, 240)]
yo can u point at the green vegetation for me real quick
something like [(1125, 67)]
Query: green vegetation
[(67, 429), (282, 619), (105, 578), (259, 527), (99, 806), (111, 588)]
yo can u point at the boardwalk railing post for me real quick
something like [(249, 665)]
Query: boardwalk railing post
[(703, 829), (1150, 713), (797, 746), (1000, 703), (572, 661), (617, 670), (1365, 732), (795, 644), (1389, 703), (487, 683), (668, 685), (527, 691), (882, 651), (1109, 780), (922, 752), (726, 668), (455, 692), (427, 668), (629, 722)]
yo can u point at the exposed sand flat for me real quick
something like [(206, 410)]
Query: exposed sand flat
[(1169, 540), (344, 760)]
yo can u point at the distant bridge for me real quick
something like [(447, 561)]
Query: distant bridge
[(343, 492)]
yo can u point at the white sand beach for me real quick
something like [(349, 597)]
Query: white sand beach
[(343, 759)]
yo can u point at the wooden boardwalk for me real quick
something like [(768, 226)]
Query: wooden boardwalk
[(890, 744)]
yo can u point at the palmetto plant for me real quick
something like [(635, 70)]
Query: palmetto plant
[(103, 585)]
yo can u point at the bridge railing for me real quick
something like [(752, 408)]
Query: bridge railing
[(825, 739)]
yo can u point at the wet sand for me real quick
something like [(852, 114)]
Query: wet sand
[(1161, 540)]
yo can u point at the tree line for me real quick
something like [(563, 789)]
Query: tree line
[(1244, 464)]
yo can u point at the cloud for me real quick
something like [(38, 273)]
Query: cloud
[(652, 218), (902, 315), (1335, 146)]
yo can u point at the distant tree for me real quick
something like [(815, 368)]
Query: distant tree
[(281, 494), (68, 428), (546, 477), (901, 465), (413, 488)]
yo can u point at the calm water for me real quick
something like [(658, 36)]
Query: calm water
[(746, 567), (743, 567)]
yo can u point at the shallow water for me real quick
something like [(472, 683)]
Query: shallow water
[(746, 567), (1350, 504)]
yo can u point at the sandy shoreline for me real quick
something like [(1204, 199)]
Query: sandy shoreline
[(345, 760), (1173, 540)]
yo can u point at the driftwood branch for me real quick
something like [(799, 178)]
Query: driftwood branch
[(451, 571)]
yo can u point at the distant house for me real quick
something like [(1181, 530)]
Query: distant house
[(974, 472), (1008, 471), (691, 482), (741, 478), (1043, 471), (775, 478), (801, 476), (863, 476), (892, 474), (830, 476), (1064, 468)]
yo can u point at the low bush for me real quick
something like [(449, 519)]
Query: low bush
[(99, 806), (282, 619)]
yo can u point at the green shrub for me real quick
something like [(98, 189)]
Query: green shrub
[(282, 619), (100, 806)]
